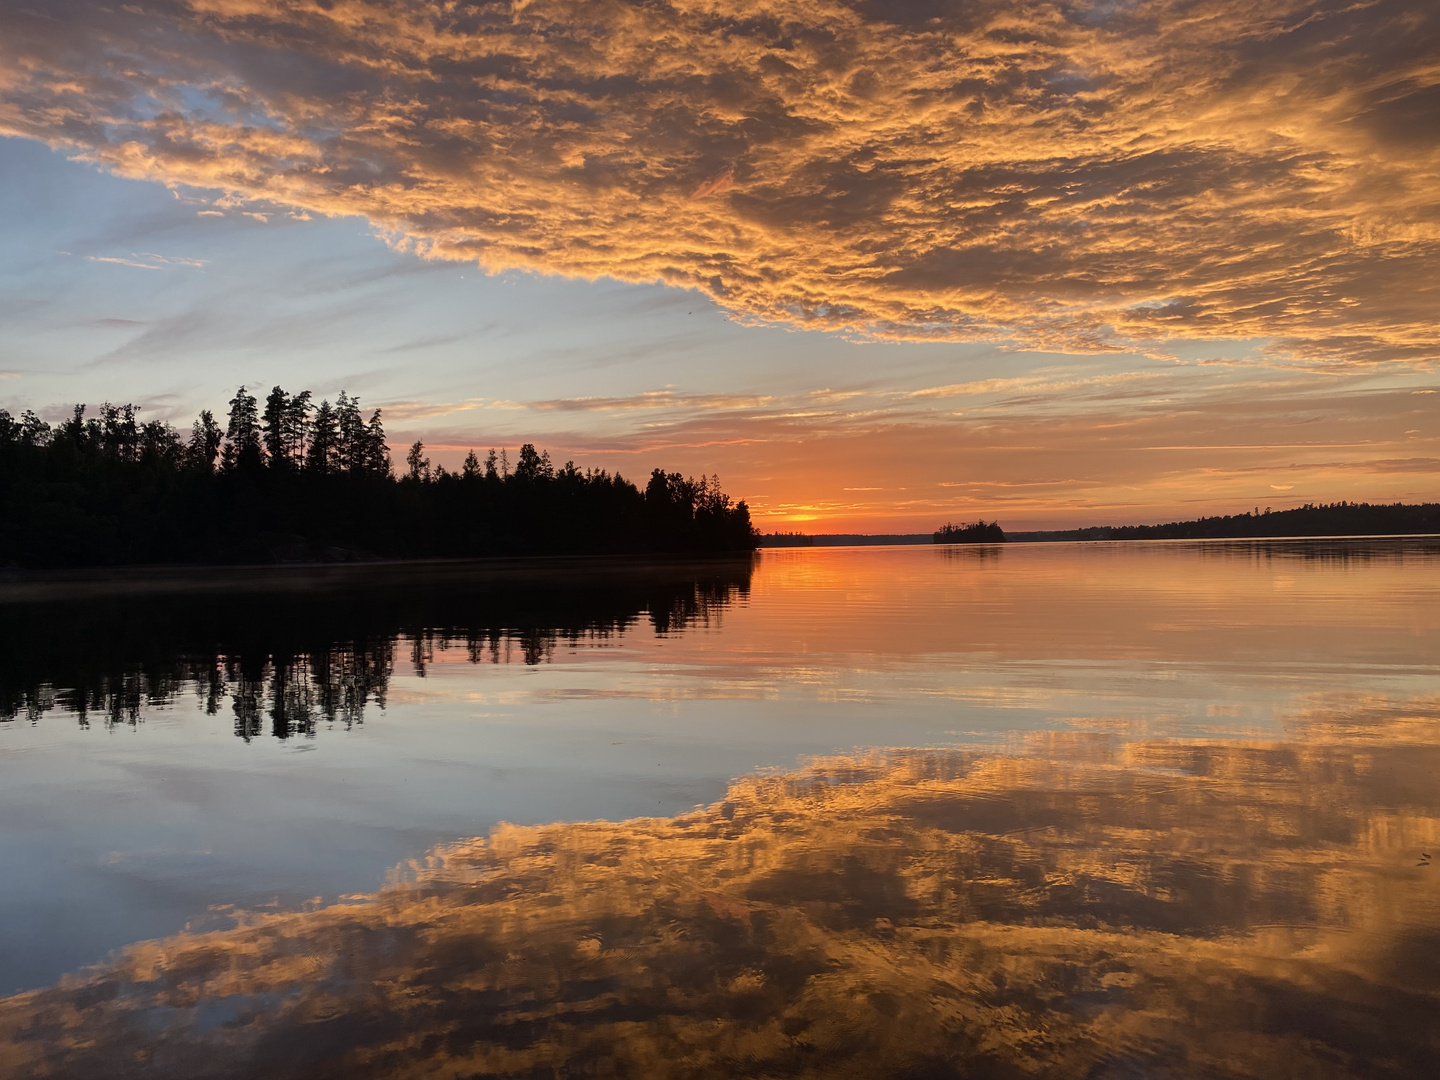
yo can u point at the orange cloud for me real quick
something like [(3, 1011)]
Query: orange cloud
[(1080, 177), (1079, 444)]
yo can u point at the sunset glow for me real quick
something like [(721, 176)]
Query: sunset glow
[(694, 539), (877, 265)]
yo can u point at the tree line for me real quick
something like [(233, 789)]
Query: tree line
[(290, 479), (1312, 519), (974, 532)]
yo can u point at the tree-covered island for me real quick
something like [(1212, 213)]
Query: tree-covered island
[(289, 479), (975, 532)]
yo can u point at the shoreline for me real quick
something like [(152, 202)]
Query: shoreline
[(20, 585)]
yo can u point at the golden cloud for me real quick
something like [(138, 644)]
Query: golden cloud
[(1082, 907), (655, 399), (1082, 176)]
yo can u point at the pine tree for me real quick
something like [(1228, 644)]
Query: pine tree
[(297, 428), (350, 445), (324, 439), (417, 461), (277, 407), (205, 438), (377, 451), (242, 434)]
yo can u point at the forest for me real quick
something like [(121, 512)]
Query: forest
[(975, 532), (1311, 519), (292, 480)]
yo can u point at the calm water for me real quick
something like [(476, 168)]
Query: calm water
[(1122, 810)]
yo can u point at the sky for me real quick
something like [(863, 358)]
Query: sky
[(877, 265)]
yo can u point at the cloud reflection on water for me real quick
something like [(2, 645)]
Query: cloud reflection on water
[(1076, 906)]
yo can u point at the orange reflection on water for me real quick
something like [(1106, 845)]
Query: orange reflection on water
[(1350, 601), (1079, 906)]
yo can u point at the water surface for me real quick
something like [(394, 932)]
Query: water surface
[(1110, 810)]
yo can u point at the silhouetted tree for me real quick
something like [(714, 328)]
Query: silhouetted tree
[(77, 431), (160, 443), (205, 439), (350, 441), (376, 450), (109, 489), (324, 440), (242, 434), (274, 423), (977, 532), (33, 430), (296, 428), (419, 464), (533, 465), (119, 432)]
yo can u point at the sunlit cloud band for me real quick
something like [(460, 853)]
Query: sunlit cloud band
[(1082, 176)]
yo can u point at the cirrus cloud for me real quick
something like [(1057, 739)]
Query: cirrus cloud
[(1080, 176)]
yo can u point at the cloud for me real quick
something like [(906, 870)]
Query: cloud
[(121, 262), (171, 260), (418, 410), (1201, 440), (429, 341), (1039, 384), (723, 182), (1083, 176), (654, 399), (145, 260)]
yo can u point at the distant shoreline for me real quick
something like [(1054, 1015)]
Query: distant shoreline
[(918, 539), (1024, 538), (1326, 521)]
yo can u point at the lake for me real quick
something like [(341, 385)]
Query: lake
[(1071, 810)]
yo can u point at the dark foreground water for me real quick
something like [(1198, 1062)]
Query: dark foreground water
[(1129, 810)]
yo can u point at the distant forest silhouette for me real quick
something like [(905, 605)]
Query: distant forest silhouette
[(976, 532), (288, 480), (1311, 519)]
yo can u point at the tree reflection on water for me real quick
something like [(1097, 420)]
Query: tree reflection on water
[(294, 648), (1077, 906)]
